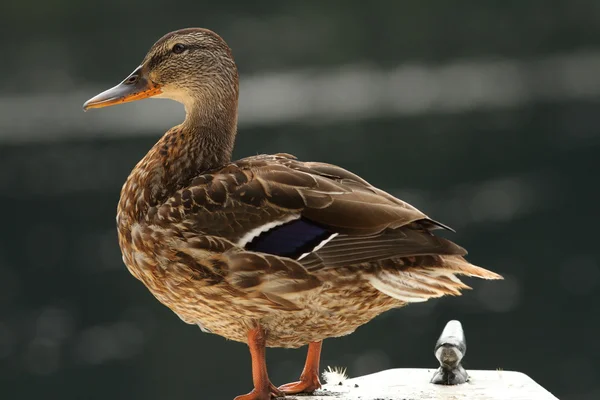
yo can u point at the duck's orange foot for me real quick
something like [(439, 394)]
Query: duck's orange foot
[(268, 393), (307, 384)]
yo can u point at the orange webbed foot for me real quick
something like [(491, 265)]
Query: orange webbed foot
[(268, 393), (307, 384)]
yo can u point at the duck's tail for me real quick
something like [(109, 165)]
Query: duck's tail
[(425, 277)]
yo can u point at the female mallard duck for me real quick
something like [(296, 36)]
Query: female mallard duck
[(267, 250)]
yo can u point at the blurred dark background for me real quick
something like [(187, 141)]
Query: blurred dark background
[(485, 115)]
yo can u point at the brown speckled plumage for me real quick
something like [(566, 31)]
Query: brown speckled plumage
[(188, 215)]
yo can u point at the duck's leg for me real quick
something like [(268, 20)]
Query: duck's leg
[(263, 388), (309, 380)]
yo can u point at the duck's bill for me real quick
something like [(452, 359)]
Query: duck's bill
[(135, 87)]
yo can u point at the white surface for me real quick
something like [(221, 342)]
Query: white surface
[(413, 384)]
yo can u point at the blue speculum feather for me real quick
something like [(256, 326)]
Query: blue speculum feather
[(291, 239)]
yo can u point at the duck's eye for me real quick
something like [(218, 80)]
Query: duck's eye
[(178, 48)]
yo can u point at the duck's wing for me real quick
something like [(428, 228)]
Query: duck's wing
[(284, 221)]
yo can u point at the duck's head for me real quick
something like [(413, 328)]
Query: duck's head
[(192, 66)]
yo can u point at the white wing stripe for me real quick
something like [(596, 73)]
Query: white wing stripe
[(250, 235)]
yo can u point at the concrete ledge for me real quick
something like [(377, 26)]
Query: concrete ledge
[(413, 384)]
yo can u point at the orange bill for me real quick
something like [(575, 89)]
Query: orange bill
[(136, 86)]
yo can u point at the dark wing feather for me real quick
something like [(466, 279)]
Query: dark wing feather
[(292, 239), (347, 250), (328, 195)]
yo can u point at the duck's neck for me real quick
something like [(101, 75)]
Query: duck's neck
[(203, 142)]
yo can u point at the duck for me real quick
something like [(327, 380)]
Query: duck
[(267, 250)]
